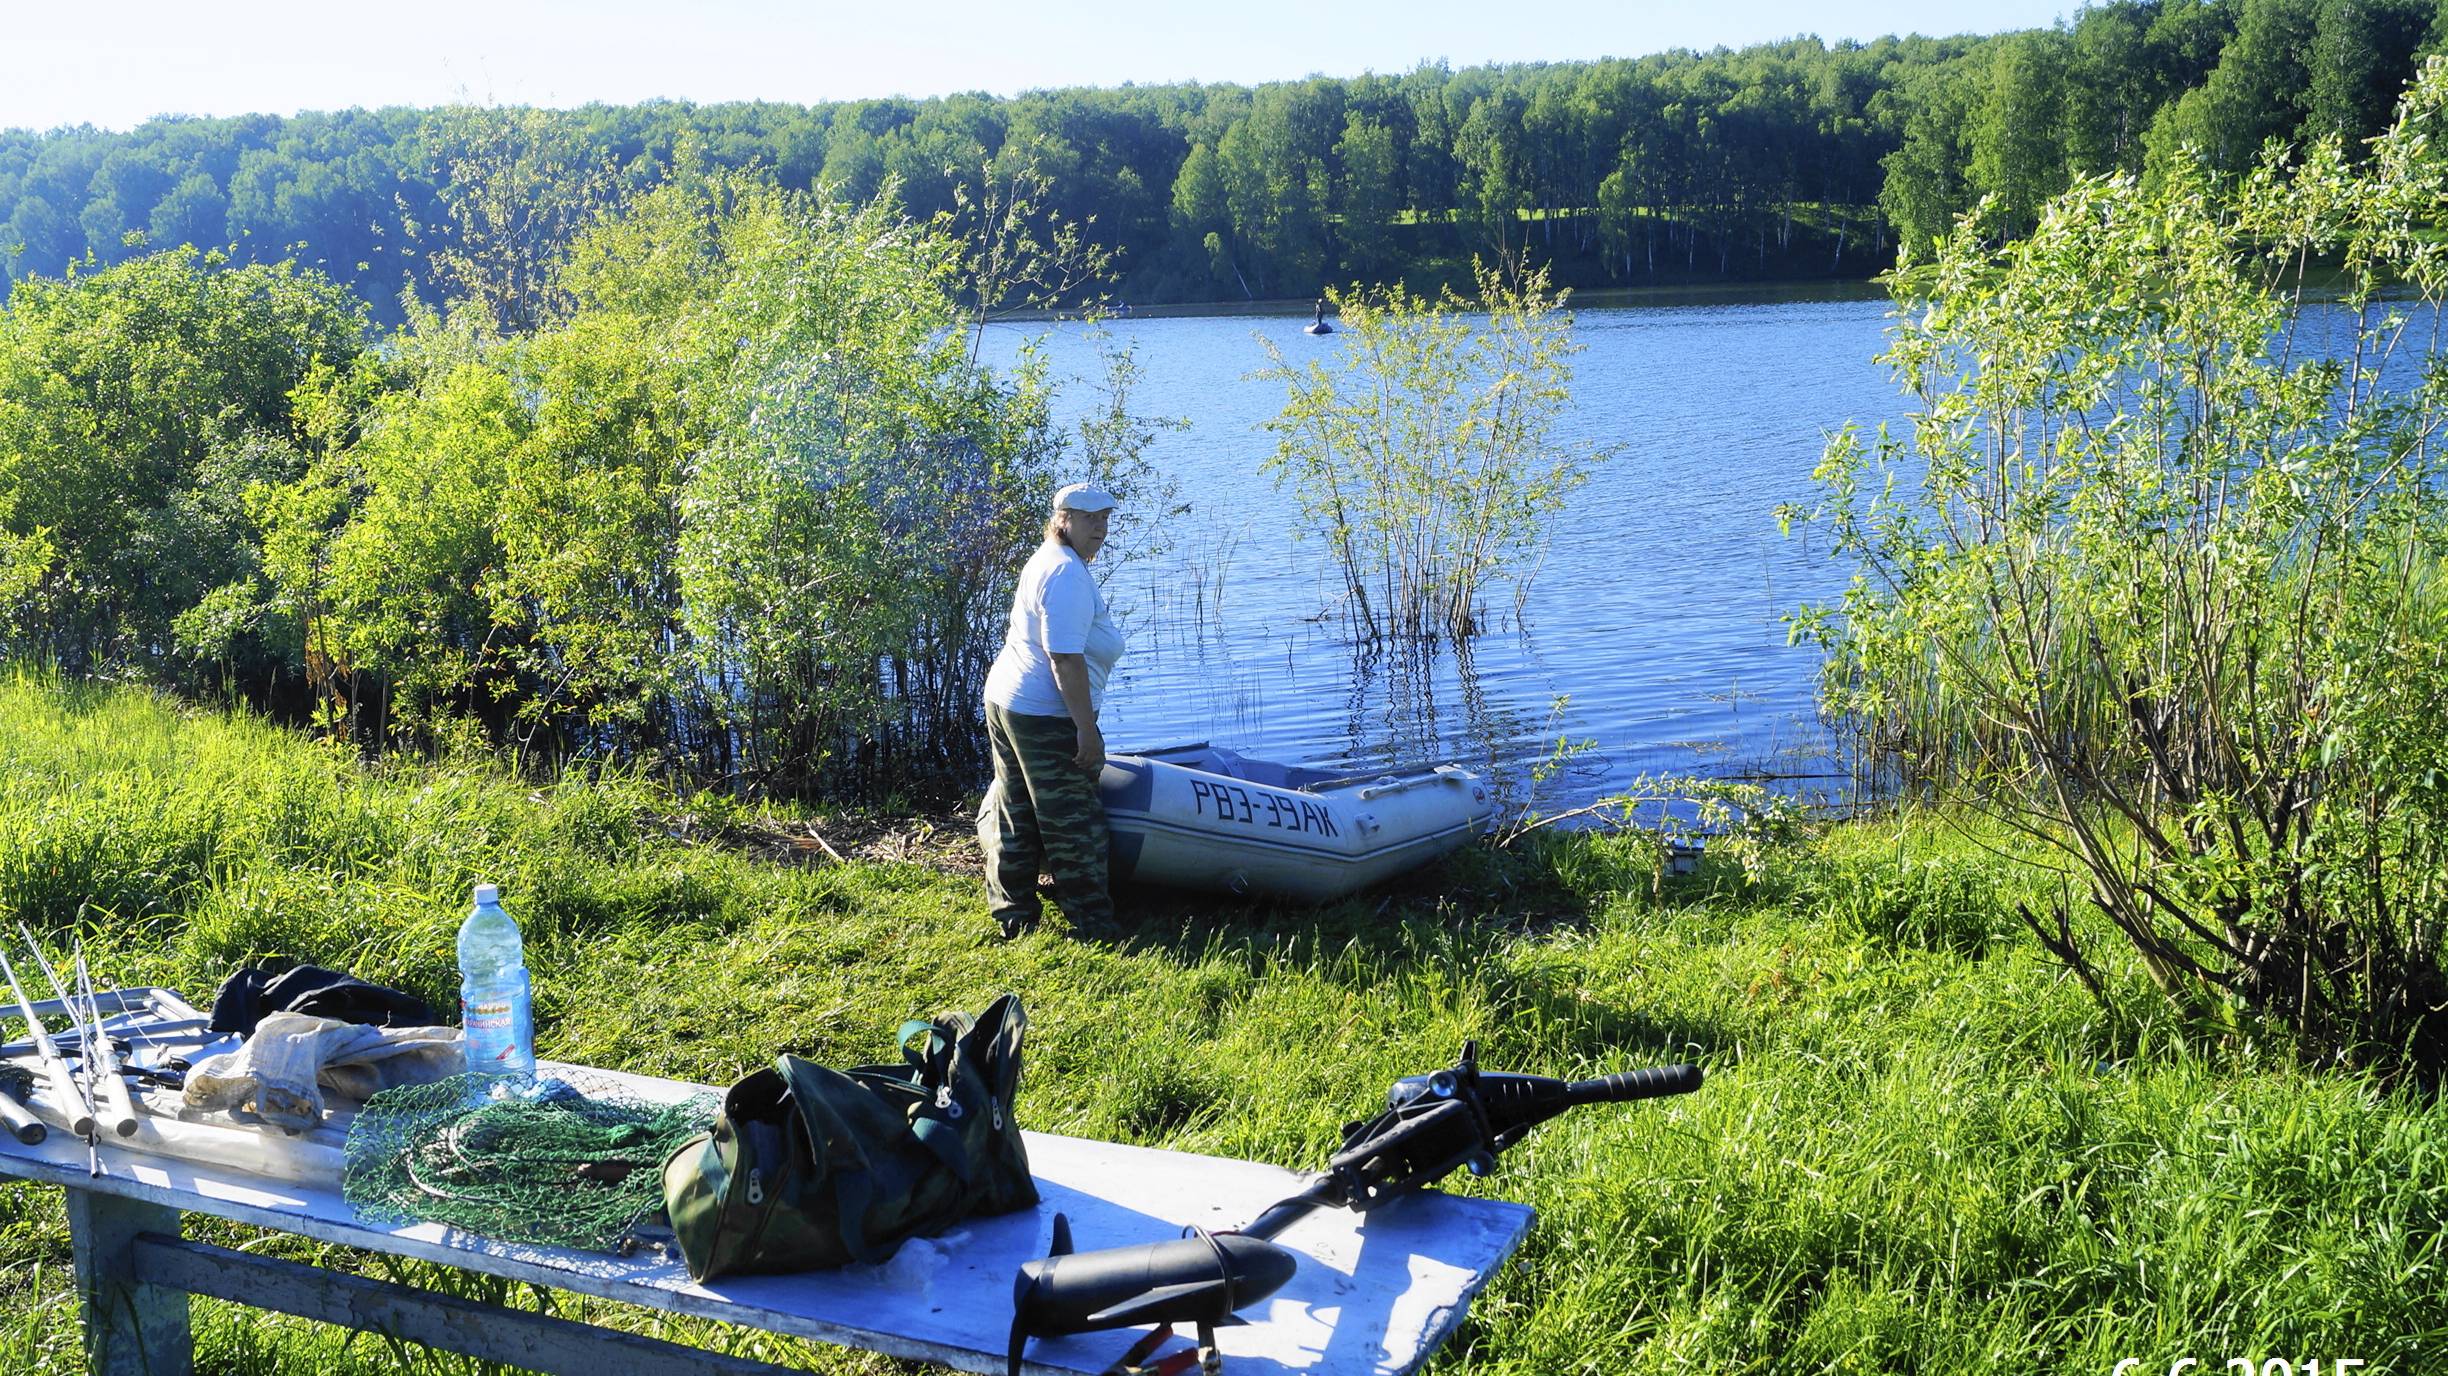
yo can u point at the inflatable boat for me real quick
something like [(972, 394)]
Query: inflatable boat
[(1204, 817)]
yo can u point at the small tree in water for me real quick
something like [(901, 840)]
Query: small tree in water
[(2157, 578), (1424, 450)]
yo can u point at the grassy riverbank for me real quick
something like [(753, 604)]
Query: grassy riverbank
[(1921, 1148)]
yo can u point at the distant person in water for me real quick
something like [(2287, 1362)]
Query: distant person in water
[(1319, 325), (1042, 698)]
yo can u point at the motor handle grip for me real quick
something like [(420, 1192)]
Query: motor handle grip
[(1654, 1083)]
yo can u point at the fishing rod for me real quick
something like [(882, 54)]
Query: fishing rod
[(103, 1059), (1432, 1125), (82, 1115), (106, 1093)]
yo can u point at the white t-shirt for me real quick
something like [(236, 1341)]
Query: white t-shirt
[(1056, 610)]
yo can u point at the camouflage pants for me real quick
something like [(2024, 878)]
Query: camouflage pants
[(1042, 810)]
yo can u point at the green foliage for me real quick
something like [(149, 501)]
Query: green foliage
[(2155, 576), (2255, 94), (861, 497), (137, 403), (1198, 193), (1276, 187), (768, 549), (517, 185), (725, 494), (1666, 821), (1927, 182), (1493, 185), (1934, 900), (1368, 195), (1910, 1155), (2017, 154), (384, 548), (1426, 453), (589, 529), (1018, 250)]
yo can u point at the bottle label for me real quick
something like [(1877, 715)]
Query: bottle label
[(495, 1023)]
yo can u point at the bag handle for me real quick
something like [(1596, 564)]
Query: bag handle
[(938, 1066), (938, 1051), (938, 1076), (999, 1030)]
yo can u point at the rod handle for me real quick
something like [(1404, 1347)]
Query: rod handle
[(1654, 1083), (116, 1109)]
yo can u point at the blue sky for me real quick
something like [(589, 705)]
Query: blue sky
[(118, 62)]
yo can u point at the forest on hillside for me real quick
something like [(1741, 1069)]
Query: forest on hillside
[(1800, 158)]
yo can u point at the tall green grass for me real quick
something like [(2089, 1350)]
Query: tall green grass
[(1921, 1148)]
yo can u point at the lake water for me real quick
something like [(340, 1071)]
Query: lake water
[(1657, 616)]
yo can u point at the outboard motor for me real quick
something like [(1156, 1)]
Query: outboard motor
[(1432, 1124)]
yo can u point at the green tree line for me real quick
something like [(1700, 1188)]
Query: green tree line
[(1783, 159)]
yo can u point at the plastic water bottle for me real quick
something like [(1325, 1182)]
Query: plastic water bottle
[(494, 1013)]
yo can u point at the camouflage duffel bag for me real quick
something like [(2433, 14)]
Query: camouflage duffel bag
[(811, 1167)]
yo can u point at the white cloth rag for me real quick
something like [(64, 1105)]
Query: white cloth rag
[(282, 1069)]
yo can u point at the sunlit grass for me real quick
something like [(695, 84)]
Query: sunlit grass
[(1921, 1148)]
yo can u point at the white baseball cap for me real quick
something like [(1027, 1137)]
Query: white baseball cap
[(1083, 497)]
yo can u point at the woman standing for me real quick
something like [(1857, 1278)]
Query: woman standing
[(1042, 698)]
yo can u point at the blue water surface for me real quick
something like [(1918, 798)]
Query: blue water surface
[(1657, 616)]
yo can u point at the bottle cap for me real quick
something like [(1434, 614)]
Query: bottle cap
[(486, 893)]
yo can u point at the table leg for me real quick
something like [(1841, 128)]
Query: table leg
[(131, 1329)]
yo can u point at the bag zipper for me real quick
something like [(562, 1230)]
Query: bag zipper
[(755, 1191)]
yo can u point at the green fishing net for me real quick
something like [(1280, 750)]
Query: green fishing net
[(564, 1162)]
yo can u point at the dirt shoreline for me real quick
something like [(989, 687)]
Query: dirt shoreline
[(942, 839)]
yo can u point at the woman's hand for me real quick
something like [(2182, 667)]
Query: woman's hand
[(1071, 677)]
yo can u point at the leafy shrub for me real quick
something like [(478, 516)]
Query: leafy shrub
[(1426, 452), (136, 405), (744, 514), (2155, 578)]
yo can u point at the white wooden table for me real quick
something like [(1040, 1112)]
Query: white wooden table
[(1373, 1295)]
